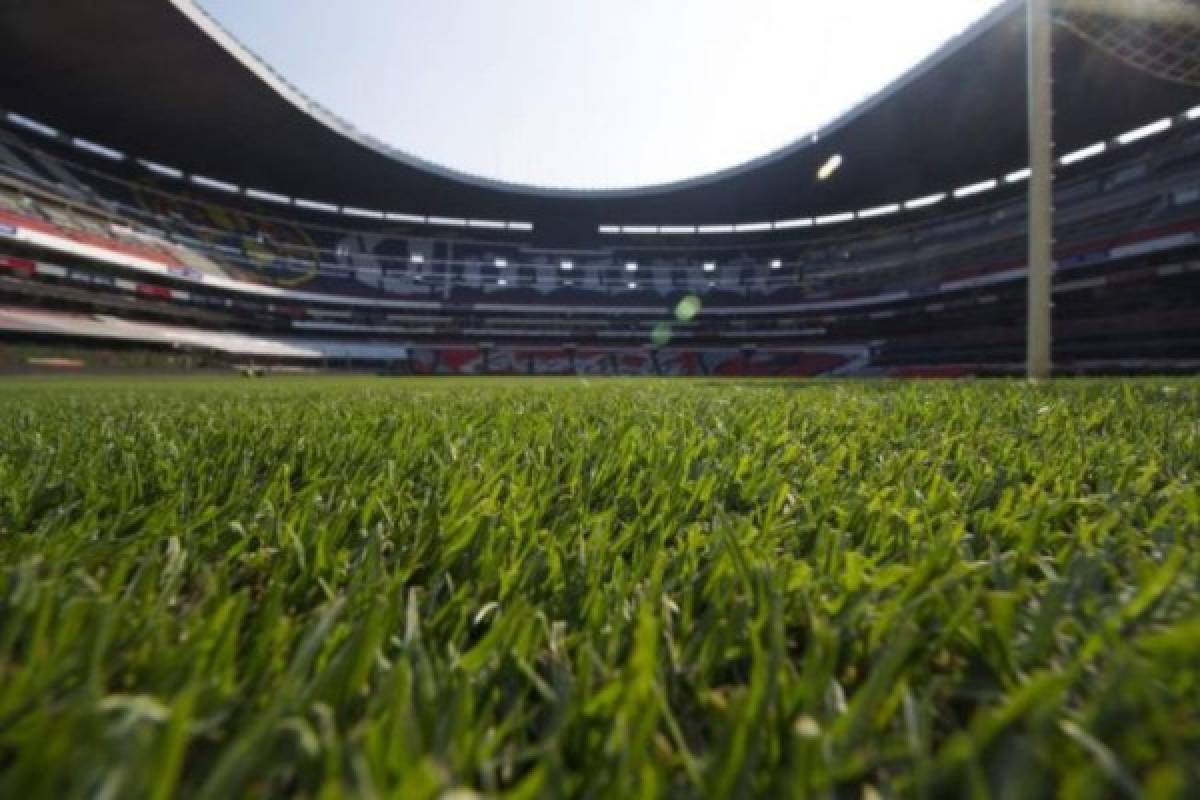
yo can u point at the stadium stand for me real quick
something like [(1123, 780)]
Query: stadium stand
[(107, 245), (102, 245)]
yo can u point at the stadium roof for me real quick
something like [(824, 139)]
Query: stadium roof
[(163, 81)]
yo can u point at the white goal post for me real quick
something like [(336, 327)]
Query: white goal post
[(1041, 188), (1158, 37)]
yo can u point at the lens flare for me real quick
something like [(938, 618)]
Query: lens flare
[(688, 308), (829, 167)]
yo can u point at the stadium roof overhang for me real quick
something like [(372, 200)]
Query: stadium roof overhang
[(162, 81)]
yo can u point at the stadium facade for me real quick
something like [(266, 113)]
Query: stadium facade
[(161, 187)]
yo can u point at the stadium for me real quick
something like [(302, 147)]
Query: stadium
[(374, 581), (140, 217)]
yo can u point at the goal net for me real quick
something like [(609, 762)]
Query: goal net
[(1160, 37)]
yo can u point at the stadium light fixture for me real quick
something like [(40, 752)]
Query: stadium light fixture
[(632, 284), (365, 213), (834, 219), (714, 229), (631, 266), (610, 229), (524, 227), (710, 266), (925, 202), (32, 125), (829, 167), (786, 224), (1137, 134), (752, 227), (776, 263), (271, 197), (98, 149), (1091, 151), (500, 263), (161, 169), (1194, 113), (213, 183), (567, 266), (975, 188), (417, 258), (313, 205), (1019, 175), (677, 229), (640, 230), (501, 282), (394, 217), (879, 211)]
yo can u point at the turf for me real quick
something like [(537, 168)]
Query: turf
[(423, 589)]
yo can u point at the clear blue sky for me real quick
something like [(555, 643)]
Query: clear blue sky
[(592, 93)]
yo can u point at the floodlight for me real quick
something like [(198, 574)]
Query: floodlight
[(975, 188), (213, 183), (1137, 134), (1082, 155), (835, 219), (261, 194), (878, 211), (98, 149), (154, 166), (785, 224), (925, 202)]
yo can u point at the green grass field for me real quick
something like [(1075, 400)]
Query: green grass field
[(520, 589)]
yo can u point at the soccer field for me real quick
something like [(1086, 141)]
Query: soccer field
[(606, 588)]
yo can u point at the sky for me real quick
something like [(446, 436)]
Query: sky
[(592, 93)]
